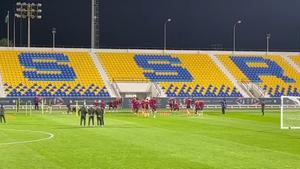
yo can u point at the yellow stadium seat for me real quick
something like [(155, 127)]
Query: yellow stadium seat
[(206, 75), (274, 86), (87, 76)]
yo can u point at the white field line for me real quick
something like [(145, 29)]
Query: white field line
[(50, 136)]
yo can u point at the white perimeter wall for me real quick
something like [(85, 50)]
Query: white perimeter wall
[(146, 51), (134, 87)]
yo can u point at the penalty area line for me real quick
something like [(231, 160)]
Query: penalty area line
[(50, 136)]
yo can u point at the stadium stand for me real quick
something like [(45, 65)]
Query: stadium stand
[(49, 74), (272, 73), (74, 74), (183, 75), (121, 67)]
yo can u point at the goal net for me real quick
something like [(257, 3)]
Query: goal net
[(290, 112)]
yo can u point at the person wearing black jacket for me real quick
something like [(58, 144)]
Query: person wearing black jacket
[(82, 112), (223, 106), (91, 113), (100, 116), (263, 104), (69, 108), (2, 114)]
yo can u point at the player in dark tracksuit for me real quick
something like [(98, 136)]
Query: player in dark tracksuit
[(100, 116), (262, 103), (18, 104), (223, 106), (36, 103), (91, 113), (2, 114), (69, 108), (82, 112)]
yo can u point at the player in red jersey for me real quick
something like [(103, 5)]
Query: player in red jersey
[(103, 104), (132, 103), (176, 105), (171, 104), (188, 103), (153, 106), (96, 104), (116, 104), (119, 102), (113, 104), (199, 106), (136, 105), (145, 106)]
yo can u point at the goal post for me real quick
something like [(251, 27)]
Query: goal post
[(290, 112), (60, 105), (44, 105)]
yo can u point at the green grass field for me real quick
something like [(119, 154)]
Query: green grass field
[(236, 140)]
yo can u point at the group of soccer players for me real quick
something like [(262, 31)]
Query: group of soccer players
[(115, 104), (144, 107), (148, 106), (174, 105), (189, 104)]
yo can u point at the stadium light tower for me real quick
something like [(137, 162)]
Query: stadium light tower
[(53, 37), (95, 25), (268, 37), (28, 11), (234, 31), (7, 22), (15, 16), (14, 30), (165, 33)]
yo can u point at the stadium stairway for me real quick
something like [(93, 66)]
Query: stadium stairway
[(295, 61), (290, 61), (110, 88)]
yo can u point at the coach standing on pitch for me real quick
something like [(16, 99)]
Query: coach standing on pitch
[(2, 115), (82, 112), (100, 116), (91, 113), (263, 104), (223, 106)]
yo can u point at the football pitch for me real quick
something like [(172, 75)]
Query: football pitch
[(239, 139)]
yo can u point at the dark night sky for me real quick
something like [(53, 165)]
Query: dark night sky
[(139, 23)]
